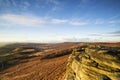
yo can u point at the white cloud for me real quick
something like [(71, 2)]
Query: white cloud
[(73, 39), (85, 2), (116, 16), (103, 21), (95, 34), (13, 20), (77, 23), (26, 5), (55, 8), (36, 21), (59, 21), (68, 21), (55, 2), (99, 21), (114, 21), (13, 3)]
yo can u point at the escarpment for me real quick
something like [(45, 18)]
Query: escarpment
[(94, 63)]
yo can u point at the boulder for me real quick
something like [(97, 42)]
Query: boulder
[(94, 63)]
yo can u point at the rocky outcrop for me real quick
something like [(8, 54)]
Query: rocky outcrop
[(94, 63)]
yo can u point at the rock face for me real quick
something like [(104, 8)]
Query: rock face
[(94, 63)]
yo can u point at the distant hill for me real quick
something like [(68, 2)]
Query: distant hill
[(3, 44)]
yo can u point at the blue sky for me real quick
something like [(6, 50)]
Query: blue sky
[(59, 20)]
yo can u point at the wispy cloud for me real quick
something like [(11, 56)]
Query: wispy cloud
[(34, 21), (95, 34), (55, 2), (78, 23), (84, 1), (74, 39), (114, 21), (108, 34), (59, 21), (28, 20), (115, 16), (26, 5), (99, 21), (117, 35), (69, 22), (102, 21), (13, 20), (115, 32), (86, 39), (9, 5), (56, 5)]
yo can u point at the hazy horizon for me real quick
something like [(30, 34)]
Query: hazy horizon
[(55, 21)]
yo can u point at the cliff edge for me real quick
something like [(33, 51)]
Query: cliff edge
[(94, 63)]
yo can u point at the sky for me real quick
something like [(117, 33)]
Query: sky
[(51, 21)]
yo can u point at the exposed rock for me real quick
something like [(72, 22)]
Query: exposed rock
[(94, 63)]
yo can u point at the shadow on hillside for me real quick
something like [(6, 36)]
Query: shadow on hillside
[(57, 54), (15, 61)]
